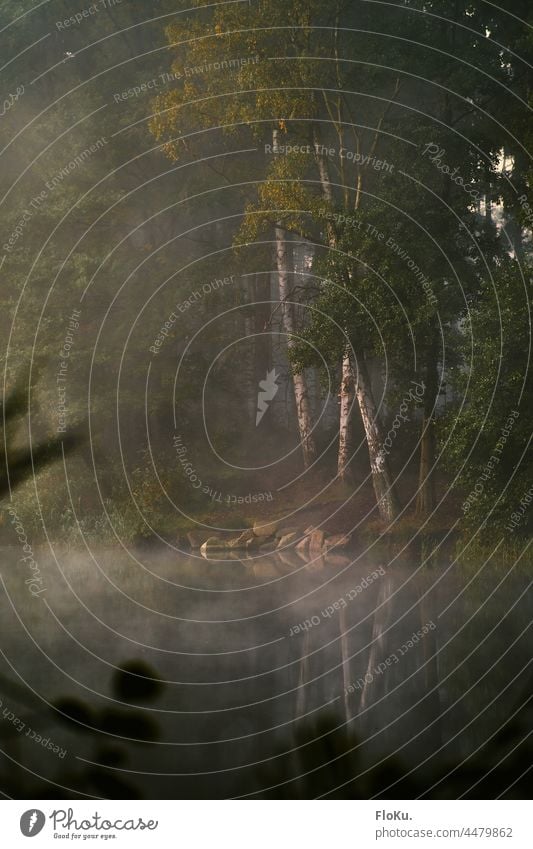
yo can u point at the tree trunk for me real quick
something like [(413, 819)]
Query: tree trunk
[(426, 496), (323, 172), (346, 391), (248, 371), (248, 382), (301, 394), (386, 497), (262, 311), (346, 398)]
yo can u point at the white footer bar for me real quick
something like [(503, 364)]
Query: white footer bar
[(267, 824)]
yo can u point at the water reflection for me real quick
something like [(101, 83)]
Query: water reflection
[(168, 676)]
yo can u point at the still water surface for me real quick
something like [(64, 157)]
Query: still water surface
[(416, 665)]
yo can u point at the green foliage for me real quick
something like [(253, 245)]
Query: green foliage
[(495, 394)]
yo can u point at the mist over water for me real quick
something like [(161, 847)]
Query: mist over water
[(251, 653)]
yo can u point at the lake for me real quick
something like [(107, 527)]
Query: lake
[(374, 674)]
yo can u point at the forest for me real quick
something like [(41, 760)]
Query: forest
[(342, 213)]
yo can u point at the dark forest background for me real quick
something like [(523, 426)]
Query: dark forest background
[(362, 169)]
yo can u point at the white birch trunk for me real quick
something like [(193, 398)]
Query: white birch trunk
[(386, 498), (248, 370), (346, 402), (301, 394), (346, 390), (381, 478)]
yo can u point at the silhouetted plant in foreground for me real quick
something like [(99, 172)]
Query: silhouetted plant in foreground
[(323, 759), (109, 729), (16, 465), (103, 734)]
